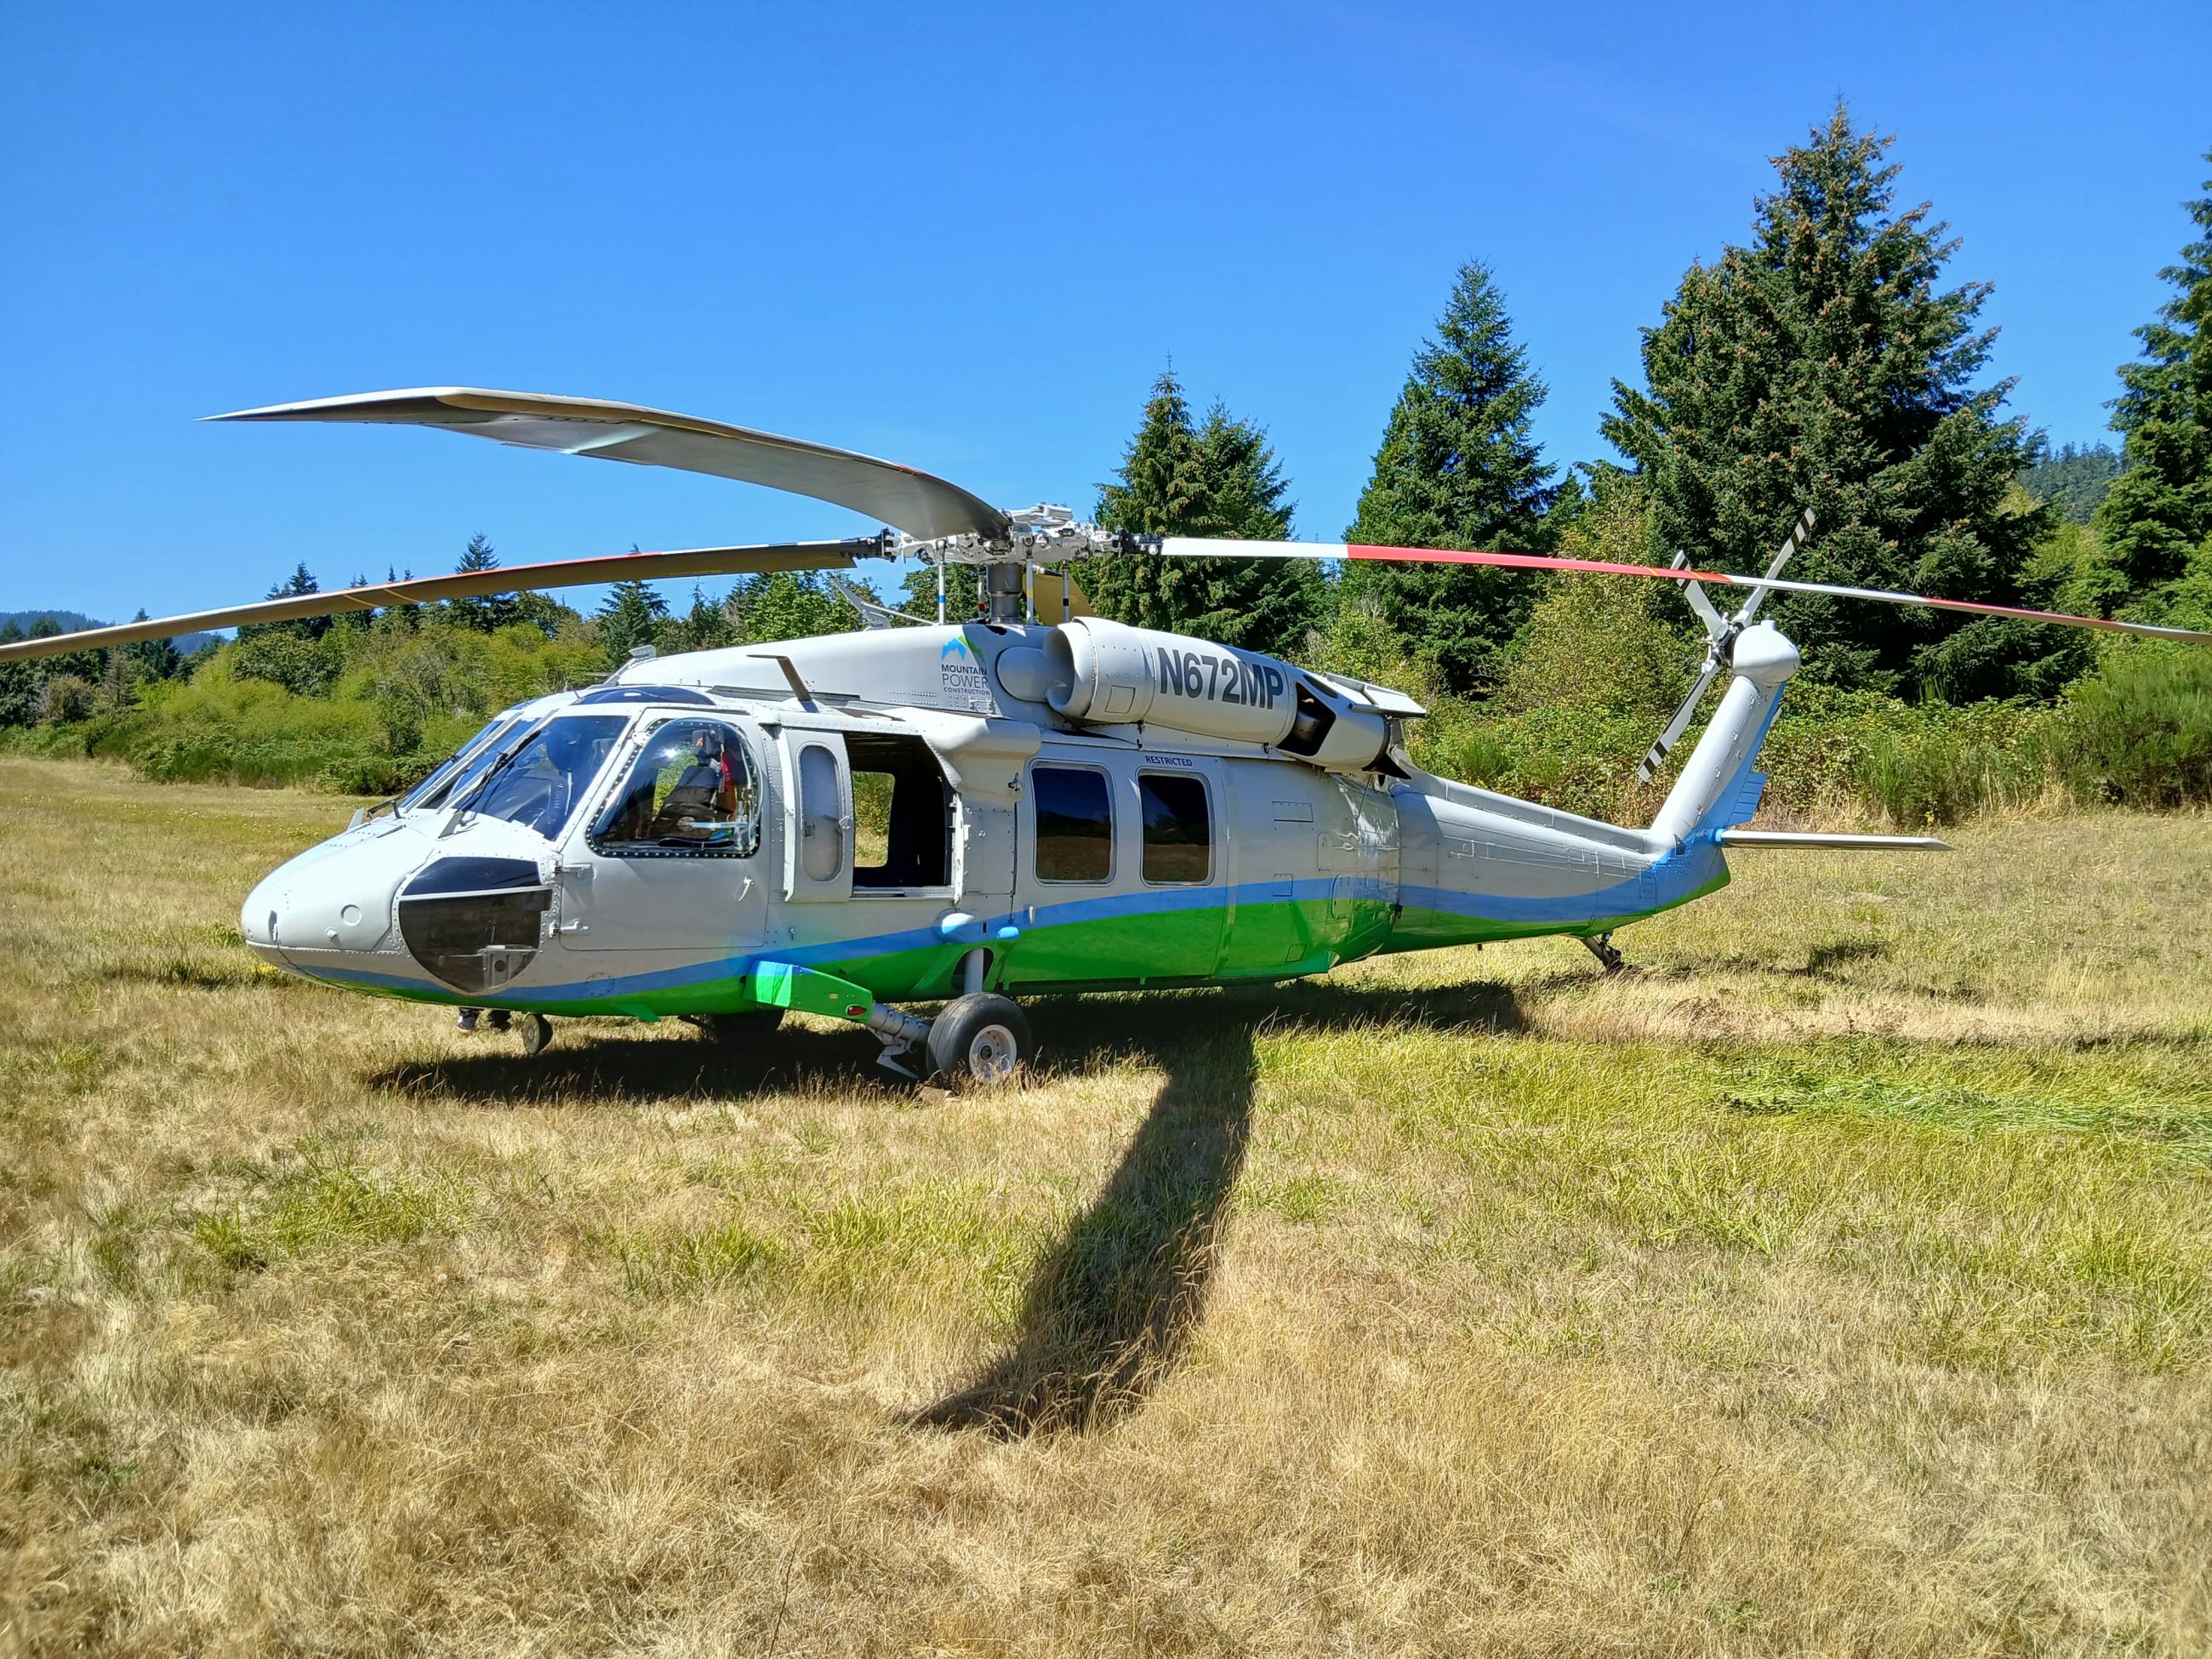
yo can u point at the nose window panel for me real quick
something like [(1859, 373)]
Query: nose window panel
[(693, 792), (542, 784), (458, 769)]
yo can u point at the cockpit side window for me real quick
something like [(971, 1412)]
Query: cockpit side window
[(540, 784), (693, 791)]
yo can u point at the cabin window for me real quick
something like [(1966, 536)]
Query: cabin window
[(901, 813), (692, 791), (540, 781), (1178, 828), (1074, 823)]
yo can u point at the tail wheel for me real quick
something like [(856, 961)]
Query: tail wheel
[(979, 1041)]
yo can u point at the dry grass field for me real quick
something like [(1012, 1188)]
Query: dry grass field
[(1839, 1282)]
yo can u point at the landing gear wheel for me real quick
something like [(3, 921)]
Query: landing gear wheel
[(536, 1031), (979, 1042), (749, 1026)]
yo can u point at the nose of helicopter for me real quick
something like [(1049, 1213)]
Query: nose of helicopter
[(337, 896)]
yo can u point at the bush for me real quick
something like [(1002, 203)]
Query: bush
[(382, 704), (2139, 732), (64, 697)]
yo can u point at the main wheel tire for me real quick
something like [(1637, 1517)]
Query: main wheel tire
[(979, 1042), (749, 1026), (536, 1031)]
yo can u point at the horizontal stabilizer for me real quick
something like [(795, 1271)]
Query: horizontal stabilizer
[(1834, 843)]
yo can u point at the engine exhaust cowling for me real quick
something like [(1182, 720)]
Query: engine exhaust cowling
[(1105, 673)]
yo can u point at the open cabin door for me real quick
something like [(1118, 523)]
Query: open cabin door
[(818, 843)]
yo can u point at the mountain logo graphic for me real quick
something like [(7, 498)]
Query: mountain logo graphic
[(956, 649)]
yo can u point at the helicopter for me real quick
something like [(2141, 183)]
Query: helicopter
[(1054, 804)]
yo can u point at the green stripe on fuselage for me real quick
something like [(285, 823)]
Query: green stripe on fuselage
[(1268, 940)]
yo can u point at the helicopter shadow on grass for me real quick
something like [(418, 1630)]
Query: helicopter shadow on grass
[(1113, 1306), (1111, 1309), (592, 1065)]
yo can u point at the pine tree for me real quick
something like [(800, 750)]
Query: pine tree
[(152, 660), (1458, 469), (301, 583), (2075, 479), (1218, 477), (2159, 514), (705, 627), (1823, 366), (485, 612), (631, 615)]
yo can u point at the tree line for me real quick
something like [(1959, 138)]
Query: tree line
[(1827, 361)]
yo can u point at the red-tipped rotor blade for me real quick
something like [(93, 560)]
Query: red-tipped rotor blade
[(1192, 547), (510, 579)]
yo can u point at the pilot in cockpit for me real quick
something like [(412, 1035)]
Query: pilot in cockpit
[(705, 799)]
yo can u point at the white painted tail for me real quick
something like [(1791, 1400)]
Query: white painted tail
[(1718, 787)]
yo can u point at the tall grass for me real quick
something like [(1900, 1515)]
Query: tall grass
[(1839, 1281)]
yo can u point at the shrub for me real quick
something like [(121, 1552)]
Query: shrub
[(2139, 732), (64, 697)]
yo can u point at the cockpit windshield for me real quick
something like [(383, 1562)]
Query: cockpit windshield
[(541, 782), (467, 761)]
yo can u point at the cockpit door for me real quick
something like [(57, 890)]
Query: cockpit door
[(818, 843), (672, 855)]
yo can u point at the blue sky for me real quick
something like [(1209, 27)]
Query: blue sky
[(965, 238)]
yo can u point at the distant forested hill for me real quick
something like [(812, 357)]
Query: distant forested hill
[(70, 622), (2074, 480)]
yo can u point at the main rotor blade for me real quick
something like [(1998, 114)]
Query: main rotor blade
[(1193, 547), (921, 505), (511, 578)]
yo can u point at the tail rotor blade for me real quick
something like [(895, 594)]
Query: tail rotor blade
[(1680, 723), (1716, 628), (1791, 544)]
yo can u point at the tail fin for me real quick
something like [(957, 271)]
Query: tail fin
[(1718, 787)]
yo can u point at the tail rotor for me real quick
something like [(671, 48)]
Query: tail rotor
[(1720, 640)]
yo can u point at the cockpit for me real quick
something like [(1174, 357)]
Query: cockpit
[(694, 788)]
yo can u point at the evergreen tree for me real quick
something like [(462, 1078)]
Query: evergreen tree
[(1458, 469), (488, 611), (631, 615), (707, 626), (1824, 366), (2159, 514), (964, 592), (152, 660), (301, 583), (1217, 477)]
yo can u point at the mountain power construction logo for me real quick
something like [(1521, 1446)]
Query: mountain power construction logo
[(960, 675)]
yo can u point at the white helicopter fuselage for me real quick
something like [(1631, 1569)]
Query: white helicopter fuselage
[(565, 865)]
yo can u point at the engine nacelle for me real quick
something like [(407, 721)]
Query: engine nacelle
[(1104, 673)]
